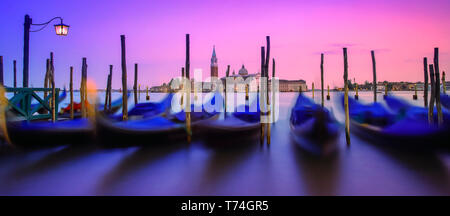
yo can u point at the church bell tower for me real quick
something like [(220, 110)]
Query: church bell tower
[(214, 67)]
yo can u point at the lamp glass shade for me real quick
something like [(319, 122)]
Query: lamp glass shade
[(61, 29)]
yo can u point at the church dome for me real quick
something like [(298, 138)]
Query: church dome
[(243, 71)]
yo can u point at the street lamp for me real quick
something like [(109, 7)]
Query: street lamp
[(60, 29)]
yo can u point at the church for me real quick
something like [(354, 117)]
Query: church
[(243, 72)]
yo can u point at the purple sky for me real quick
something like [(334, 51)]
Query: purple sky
[(401, 32)]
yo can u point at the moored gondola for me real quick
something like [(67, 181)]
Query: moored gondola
[(313, 127), (47, 133), (403, 126), (152, 130)]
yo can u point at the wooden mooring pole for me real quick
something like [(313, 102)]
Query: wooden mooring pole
[(437, 86), (49, 78), (52, 69), (415, 92), (266, 66), (444, 87), (188, 93), (313, 90), (183, 77), (110, 87), (273, 91), (321, 79), (1, 70), (262, 90), (356, 91), (105, 105), (15, 74), (227, 73), (347, 115), (432, 97), (135, 83), (425, 87), (438, 98), (328, 92), (124, 80), (83, 89), (71, 92), (374, 70)]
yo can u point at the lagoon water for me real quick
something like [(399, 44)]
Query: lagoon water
[(281, 168)]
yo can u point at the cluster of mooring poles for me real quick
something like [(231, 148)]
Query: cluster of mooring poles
[(435, 88)]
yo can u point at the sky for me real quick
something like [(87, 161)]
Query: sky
[(401, 32)]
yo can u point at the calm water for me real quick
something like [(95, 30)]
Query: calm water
[(280, 168)]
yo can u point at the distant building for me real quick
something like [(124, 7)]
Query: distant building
[(292, 85), (162, 88)]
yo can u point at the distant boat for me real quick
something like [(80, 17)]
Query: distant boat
[(313, 127)]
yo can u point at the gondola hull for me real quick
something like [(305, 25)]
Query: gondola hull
[(153, 131), (313, 127), (37, 134), (318, 142), (407, 127), (228, 131), (432, 140)]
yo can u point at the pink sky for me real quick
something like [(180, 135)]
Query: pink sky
[(401, 32)]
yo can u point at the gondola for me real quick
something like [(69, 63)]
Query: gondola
[(313, 127), (234, 127), (404, 110), (155, 129), (47, 133), (401, 126)]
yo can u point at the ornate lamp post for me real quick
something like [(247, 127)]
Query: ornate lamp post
[(60, 29)]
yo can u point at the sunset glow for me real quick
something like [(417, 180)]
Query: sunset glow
[(401, 32)]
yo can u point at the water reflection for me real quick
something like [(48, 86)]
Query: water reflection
[(200, 168)]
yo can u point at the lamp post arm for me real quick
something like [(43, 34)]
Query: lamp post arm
[(45, 24)]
